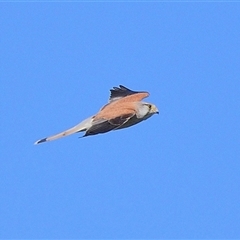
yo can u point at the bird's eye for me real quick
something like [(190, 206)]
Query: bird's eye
[(149, 106)]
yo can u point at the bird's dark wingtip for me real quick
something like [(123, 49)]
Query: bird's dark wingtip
[(121, 91)]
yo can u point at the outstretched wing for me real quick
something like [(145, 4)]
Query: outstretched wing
[(103, 126), (120, 92)]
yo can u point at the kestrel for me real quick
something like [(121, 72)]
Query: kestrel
[(124, 109)]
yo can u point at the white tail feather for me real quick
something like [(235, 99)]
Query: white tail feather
[(84, 125)]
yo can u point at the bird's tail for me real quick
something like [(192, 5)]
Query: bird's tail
[(84, 125)]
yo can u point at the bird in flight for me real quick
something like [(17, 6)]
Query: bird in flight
[(124, 109)]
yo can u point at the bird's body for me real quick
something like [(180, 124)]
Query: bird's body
[(124, 109)]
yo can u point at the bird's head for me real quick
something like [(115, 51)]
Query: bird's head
[(146, 110), (153, 109)]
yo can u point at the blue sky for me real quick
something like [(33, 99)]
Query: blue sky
[(176, 175)]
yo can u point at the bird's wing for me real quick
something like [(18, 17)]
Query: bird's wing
[(121, 92), (103, 125), (122, 95), (116, 109), (112, 117)]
